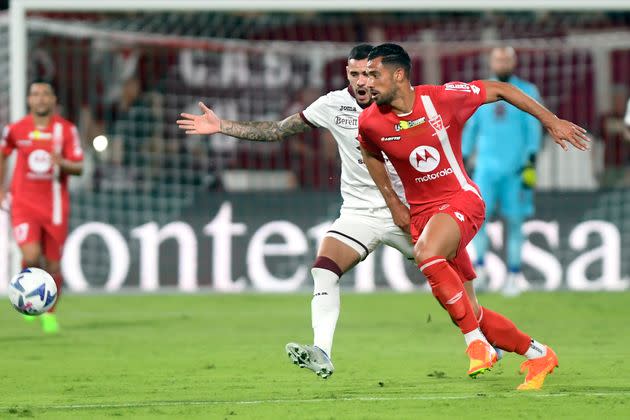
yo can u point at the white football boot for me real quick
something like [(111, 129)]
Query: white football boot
[(311, 357)]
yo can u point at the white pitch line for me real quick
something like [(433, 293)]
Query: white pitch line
[(315, 400)]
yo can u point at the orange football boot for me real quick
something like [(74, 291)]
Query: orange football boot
[(482, 357), (537, 370)]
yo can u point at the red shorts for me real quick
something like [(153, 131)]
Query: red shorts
[(469, 211), (29, 227)]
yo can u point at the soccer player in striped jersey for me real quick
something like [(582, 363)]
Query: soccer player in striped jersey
[(48, 151), (419, 129)]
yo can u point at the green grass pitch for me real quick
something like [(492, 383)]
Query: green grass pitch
[(222, 356)]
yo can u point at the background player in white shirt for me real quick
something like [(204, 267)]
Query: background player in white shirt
[(364, 221)]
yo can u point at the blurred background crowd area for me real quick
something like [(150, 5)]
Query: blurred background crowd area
[(127, 77)]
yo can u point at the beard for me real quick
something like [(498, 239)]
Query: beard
[(366, 103), (386, 99), (43, 113), (504, 77)]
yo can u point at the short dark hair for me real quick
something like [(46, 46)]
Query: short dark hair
[(42, 82), (360, 52), (393, 54)]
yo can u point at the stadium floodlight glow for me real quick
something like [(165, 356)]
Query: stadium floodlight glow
[(100, 143)]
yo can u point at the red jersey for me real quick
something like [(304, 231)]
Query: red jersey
[(37, 185), (425, 145)]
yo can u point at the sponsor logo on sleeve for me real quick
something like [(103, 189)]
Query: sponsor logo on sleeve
[(462, 87)]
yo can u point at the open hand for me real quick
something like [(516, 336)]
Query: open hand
[(206, 123), (564, 131)]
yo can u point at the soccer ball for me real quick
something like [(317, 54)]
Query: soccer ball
[(33, 291)]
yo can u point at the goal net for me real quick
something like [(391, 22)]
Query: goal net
[(123, 78)]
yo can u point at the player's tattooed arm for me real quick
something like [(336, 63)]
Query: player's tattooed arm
[(265, 130), (209, 123)]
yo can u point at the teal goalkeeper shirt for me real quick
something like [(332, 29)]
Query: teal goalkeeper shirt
[(502, 135)]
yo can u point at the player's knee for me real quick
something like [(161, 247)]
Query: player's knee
[(31, 259), (424, 250), (53, 267)]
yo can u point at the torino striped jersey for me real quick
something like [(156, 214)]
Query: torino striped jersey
[(338, 112), (425, 145), (36, 186)]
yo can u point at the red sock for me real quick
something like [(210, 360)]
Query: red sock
[(449, 291), (59, 282), (502, 333)]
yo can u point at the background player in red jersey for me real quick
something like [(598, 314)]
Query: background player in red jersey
[(419, 129), (48, 151)]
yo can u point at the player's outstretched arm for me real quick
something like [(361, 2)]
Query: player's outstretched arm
[(562, 131), (378, 172), (209, 123)]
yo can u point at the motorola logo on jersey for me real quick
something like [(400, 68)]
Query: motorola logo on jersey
[(39, 161), (424, 158), (435, 175)]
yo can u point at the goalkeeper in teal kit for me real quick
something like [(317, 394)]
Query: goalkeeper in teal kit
[(504, 141)]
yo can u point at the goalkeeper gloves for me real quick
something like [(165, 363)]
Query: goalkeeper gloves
[(528, 173)]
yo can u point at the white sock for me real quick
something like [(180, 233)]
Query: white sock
[(325, 308), (475, 334), (536, 350)]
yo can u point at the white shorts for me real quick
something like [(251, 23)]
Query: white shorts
[(364, 230)]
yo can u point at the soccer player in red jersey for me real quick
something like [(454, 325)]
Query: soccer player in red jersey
[(419, 129), (48, 151)]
